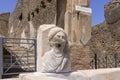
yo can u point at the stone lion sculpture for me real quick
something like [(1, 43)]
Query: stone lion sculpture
[(58, 58)]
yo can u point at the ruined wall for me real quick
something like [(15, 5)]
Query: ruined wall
[(105, 39), (80, 57), (78, 28), (31, 12), (112, 11), (4, 19), (106, 36)]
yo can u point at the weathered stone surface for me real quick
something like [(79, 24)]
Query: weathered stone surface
[(61, 9), (65, 5), (100, 74), (85, 3), (80, 57), (77, 23), (57, 59), (70, 20), (23, 36), (46, 55), (106, 38), (112, 11), (44, 76), (4, 20), (42, 43), (36, 11)]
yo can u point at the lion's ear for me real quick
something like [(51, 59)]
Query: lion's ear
[(85, 28)]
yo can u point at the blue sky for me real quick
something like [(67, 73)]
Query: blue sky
[(96, 5), (98, 10)]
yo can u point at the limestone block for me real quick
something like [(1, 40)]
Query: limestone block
[(42, 42), (78, 27), (4, 21), (85, 24)]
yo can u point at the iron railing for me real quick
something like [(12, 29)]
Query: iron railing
[(19, 55), (105, 61)]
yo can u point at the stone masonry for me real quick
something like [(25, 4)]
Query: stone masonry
[(4, 20), (77, 24), (112, 11), (27, 12), (105, 38), (30, 14)]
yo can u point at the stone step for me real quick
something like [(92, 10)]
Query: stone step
[(8, 56)]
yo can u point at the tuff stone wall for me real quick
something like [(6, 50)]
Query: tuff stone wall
[(4, 20)]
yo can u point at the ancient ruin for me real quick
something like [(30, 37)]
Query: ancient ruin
[(112, 10), (30, 14), (107, 45), (27, 47), (25, 22), (74, 21)]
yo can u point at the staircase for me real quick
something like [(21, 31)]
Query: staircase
[(16, 58)]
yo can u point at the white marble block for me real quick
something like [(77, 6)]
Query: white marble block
[(42, 42), (99, 74)]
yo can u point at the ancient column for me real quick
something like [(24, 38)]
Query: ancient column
[(61, 9), (78, 21)]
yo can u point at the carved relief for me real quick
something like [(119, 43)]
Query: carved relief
[(58, 58)]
